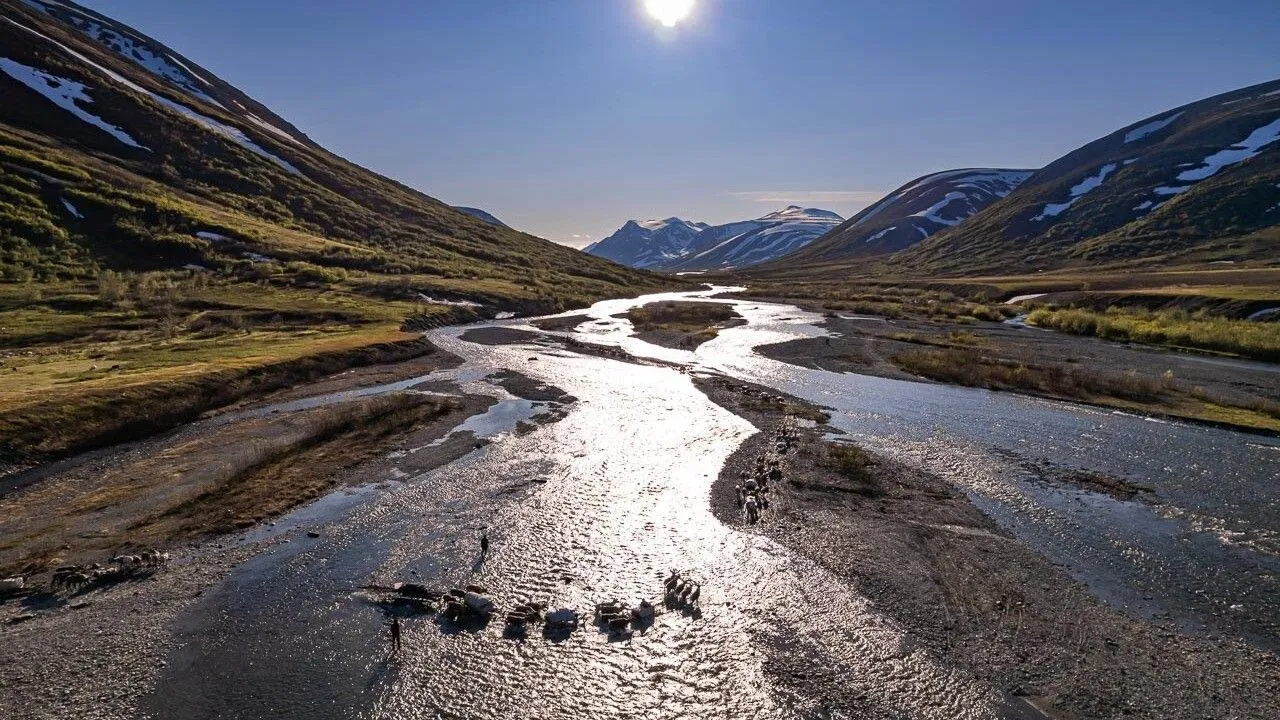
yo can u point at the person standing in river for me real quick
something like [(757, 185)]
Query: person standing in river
[(395, 634)]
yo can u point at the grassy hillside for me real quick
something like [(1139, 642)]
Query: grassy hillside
[(212, 243)]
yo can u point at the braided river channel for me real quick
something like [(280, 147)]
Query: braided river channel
[(609, 499)]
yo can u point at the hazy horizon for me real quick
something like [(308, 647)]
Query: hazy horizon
[(567, 118)]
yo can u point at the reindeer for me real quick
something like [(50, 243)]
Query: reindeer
[(671, 582), (71, 580)]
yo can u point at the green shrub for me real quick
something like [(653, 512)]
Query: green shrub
[(851, 461)]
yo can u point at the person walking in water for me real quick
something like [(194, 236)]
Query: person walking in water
[(484, 542), (395, 634)]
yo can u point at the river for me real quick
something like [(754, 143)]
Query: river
[(609, 499)]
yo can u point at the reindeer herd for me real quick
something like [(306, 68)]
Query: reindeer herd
[(119, 568), (74, 578), (473, 605), (753, 486)]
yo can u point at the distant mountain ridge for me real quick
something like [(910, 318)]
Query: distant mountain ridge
[(675, 244), (648, 244), (479, 214), (913, 212), (1189, 179)]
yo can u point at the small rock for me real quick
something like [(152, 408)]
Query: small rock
[(313, 534), (24, 617)]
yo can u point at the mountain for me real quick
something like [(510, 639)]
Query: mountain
[(480, 215), (166, 64), (678, 245), (119, 153), (913, 212), (1200, 178), (651, 244)]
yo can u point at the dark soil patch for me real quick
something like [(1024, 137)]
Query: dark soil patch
[(560, 324)]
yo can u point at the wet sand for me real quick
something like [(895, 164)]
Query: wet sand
[(974, 596)]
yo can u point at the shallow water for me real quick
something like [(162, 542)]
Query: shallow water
[(1206, 552), (605, 502)]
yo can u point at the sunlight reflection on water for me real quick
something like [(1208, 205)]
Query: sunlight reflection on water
[(606, 501)]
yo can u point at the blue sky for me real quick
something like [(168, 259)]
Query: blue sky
[(567, 117)]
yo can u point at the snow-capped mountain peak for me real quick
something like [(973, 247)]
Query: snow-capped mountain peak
[(676, 244), (795, 213), (651, 244)]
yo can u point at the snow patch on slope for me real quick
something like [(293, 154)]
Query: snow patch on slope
[(234, 134), (134, 49), (231, 133), (882, 233), (1241, 151), (931, 213), (1213, 164), (998, 182), (65, 94), (270, 128), (1078, 191), (72, 209), (1154, 126)]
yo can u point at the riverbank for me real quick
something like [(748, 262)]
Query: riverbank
[(54, 407), (970, 594), (1015, 358), (241, 466), (99, 649), (229, 471)]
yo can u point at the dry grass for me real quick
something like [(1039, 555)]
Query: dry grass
[(206, 483), (1129, 390), (1177, 328), (850, 461), (264, 479), (109, 407), (971, 368), (691, 317)]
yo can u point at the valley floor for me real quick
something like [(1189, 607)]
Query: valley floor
[(1018, 358), (982, 603)]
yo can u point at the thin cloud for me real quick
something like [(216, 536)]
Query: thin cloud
[(808, 196)]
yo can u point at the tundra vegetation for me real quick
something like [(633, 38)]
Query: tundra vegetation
[(202, 484), (134, 297), (1198, 330), (682, 324)]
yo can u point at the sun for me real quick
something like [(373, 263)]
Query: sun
[(669, 12)]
